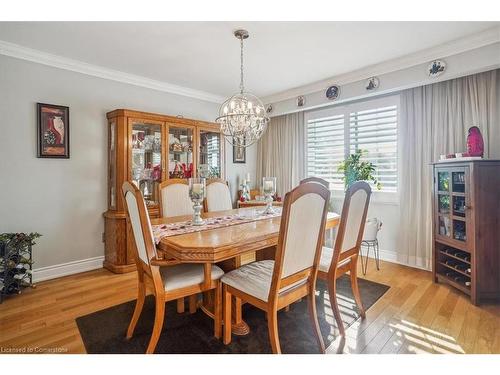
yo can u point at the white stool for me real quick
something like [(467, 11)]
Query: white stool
[(372, 227)]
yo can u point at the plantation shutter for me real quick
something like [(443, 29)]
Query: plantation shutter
[(325, 148), (375, 130)]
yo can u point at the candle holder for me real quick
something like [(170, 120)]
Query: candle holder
[(269, 189), (197, 194)]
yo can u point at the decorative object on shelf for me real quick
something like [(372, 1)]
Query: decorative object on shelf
[(16, 262), (269, 189), (436, 68), (475, 148), (333, 92), (354, 169), (197, 188), (244, 194), (242, 117), (475, 143), (239, 153), (372, 83), (269, 108), (301, 100), (53, 131)]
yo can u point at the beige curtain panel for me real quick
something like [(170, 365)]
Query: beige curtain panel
[(281, 152), (434, 121)]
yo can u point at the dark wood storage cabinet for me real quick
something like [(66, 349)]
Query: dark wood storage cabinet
[(466, 251)]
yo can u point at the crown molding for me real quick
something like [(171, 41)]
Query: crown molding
[(40, 57), (470, 42)]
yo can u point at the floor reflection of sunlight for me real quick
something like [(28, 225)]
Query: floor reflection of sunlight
[(427, 338)]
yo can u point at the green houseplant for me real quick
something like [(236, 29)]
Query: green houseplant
[(354, 169)]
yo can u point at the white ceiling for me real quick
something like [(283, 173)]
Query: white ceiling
[(205, 55)]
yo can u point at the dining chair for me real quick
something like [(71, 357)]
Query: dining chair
[(170, 279), (174, 201), (174, 198), (272, 285), (218, 197), (343, 257)]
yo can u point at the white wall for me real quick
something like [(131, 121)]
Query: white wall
[(64, 199)]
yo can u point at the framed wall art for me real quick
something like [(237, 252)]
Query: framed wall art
[(52, 131), (239, 154)]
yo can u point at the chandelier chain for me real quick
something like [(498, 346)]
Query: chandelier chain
[(242, 87)]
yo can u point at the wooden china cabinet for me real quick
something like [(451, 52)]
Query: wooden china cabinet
[(466, 251), (148, 148)]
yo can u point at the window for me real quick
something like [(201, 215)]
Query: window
[(335, 133)]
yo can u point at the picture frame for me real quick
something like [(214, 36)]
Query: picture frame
[(239, 154), (52, 131)]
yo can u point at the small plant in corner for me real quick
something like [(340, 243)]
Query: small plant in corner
[(354, 169)]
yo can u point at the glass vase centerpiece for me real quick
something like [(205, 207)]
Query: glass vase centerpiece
[(269, 189), (197, 194)]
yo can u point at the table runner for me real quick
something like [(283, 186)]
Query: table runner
[(183, 227)]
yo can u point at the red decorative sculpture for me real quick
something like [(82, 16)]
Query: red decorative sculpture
[(475, 144)]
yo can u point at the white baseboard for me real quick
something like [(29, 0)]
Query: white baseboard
[(65, 269), (392, 257)]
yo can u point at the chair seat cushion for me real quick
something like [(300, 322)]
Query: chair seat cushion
[(184, 275), (326, 259), (255, 279)]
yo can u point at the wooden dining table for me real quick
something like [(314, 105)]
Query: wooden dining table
[(228, 247)]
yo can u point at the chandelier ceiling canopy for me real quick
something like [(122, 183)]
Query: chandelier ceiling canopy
[(242, 117)]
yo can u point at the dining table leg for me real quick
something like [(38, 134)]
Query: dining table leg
[(238, 327)]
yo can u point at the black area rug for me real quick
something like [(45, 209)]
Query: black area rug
[(104, 331)]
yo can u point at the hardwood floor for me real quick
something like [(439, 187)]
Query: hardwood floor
[(414, 316)]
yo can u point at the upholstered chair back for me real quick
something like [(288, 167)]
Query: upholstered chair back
[(353, 217), (303, 221), (316, 180), (218, 196), (140, 223), (174, 198)]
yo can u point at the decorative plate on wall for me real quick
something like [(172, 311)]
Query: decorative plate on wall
[(372, 83), (436, 68), (333, 92)]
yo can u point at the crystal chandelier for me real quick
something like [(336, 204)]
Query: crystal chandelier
[(242, 117)]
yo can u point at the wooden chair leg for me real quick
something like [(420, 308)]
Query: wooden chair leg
[(272, 326), (193, 300), (332, 292), (218, 311), (355, 289), (158, 325), (180, 305), (141, 295), (311, 302), (226, 315)]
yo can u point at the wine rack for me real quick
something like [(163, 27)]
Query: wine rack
[(16, 263), (466, 250), (454, 266)]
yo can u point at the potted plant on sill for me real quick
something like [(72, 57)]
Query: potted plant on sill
[(354, 169)]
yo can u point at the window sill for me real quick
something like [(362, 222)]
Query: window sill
[(377, 197)]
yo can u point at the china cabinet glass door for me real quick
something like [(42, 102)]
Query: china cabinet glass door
[(443, 203), (180, 152), (210, 154), (452, 204), (146, 163)]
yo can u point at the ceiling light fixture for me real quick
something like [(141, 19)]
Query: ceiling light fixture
[(242, 117)]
